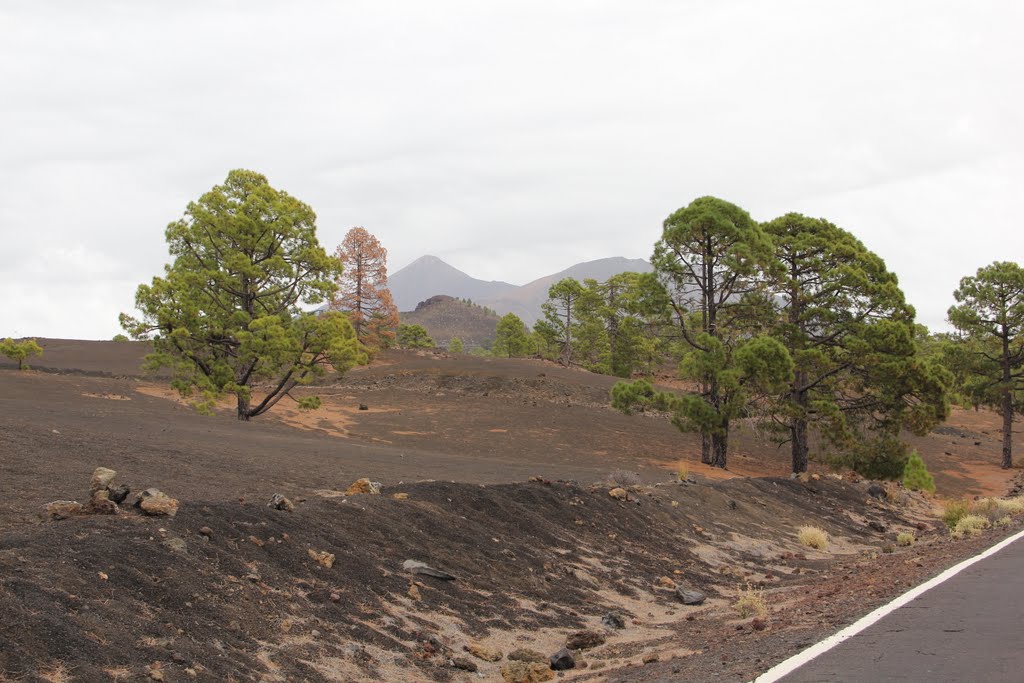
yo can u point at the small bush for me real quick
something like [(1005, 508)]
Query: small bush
[(969, 525), (813, 537), (996, 508), (624, 478), (905, 539), (683, 472), (1004, 521), (955, 511), (751, 603), (120, 338), (916, 476)]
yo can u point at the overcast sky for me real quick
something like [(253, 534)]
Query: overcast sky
[(512, 139)]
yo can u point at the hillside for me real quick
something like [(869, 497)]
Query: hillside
[(445, 317), (429, 275), (498, 472)]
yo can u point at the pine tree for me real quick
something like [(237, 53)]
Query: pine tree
[(362, 289)]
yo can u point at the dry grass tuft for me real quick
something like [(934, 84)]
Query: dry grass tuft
[(57, 673), (969, 525), (905, 539), (751, 603), (683, 472), (996, 508), (954, 511), (813, 537)]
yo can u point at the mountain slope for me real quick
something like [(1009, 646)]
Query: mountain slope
[(445, 317), (526, 301), (428, 276)]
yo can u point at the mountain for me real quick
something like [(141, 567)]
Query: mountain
[(445, 317), (526, 301), (429, 275)]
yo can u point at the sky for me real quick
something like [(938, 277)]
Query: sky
[(511, 139)]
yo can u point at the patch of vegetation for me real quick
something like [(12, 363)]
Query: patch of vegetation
[(997, 508), (19, 351), (455, 345), (813, 537), (916, 476), (120, 338), (905, 539), (683, 472), (623, 478), (954, 511), (969, 525), (751, 603), (414, 337)]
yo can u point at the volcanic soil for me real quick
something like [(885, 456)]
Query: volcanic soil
[(494, 471)]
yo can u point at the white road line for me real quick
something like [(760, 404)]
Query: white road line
[(798, 660)]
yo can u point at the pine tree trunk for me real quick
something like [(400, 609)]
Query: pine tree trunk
[(706, 456), (1007, 429), (243, 408), (721, 448), (798, 429)]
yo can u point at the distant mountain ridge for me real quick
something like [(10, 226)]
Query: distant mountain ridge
[(429, 276)]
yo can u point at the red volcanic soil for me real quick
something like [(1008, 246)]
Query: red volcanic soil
[(231, 589)]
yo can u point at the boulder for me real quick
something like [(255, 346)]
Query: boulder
[(118, 494), (156, 503), (62, 509), (619, 493), (878, 491), (690, 597), (562, 660), (462, 664), (324, 558), (101, 478), (526, 672), (417, 567), (483, 652), (100, 503), (584, 640)]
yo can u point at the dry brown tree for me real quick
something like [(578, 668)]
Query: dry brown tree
[(363, 289)]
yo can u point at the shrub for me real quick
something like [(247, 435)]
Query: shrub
[(414, 337), (954, 511), (996, 508), (623, 478), (1004, 521), (751, 603), (683, 472), (455, 345), (905, 539), (813, 537), (916, 476), (969, 525), (120, 338), (19, 351)]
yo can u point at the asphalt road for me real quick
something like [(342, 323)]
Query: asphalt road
[(970, 628)]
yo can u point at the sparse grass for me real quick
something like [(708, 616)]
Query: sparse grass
[(905, 539), (969, 525), (623, 478), (751, 603), (118, 673), (1004, 521), (683, 472), (57, 673), (993, 509), (813, 537), (954, 511)]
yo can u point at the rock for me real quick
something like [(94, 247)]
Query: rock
[(101, 478), (877, 526), (690, 597), (619, 493), (335, 597), (483, 652), (526, 672), (816, 477), (666, 582), (206, 531), (584, 640), (400, 496), (462, 664), (363, 406), (562, 660), (364, 486), (650, 658), (62, 509), (279, 502), (324, 558), (878, 491), (156, 503), (119, 494), (414, 592), (732, 504), (417, 567), (613, 620), (100, 504), (758, 624), (675, 503), (527, 655)]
